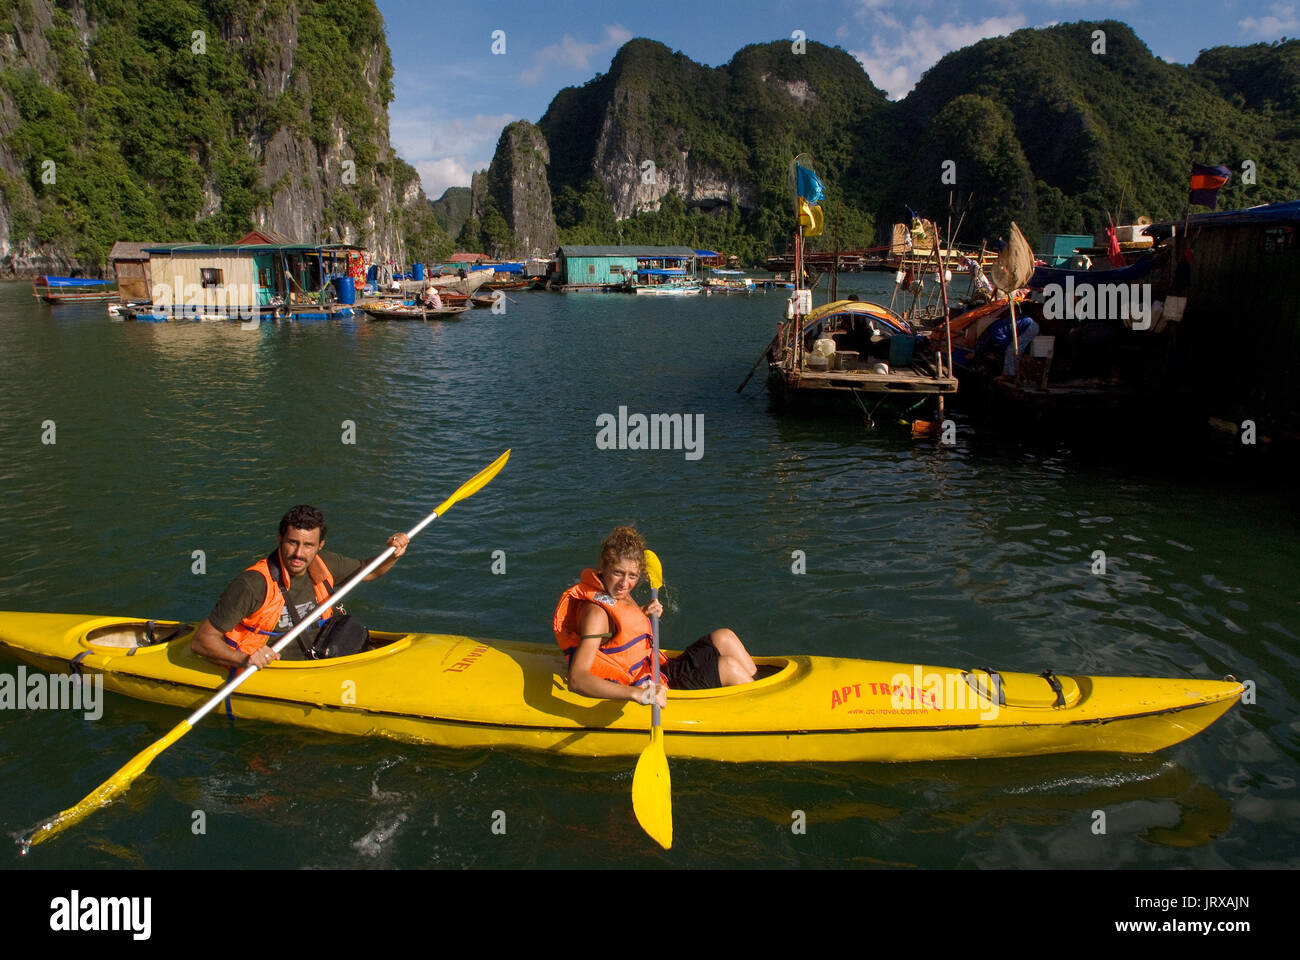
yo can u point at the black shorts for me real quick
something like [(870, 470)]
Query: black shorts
[(696, 668)]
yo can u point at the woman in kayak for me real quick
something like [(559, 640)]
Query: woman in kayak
[(607, 637)]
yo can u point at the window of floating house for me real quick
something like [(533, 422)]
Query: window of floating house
[(591, 269), (263, 276), (210, 276)]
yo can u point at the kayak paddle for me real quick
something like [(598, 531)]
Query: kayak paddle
[(121, 781), (652, 798)]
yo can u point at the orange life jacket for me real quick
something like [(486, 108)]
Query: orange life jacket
[(624, 657), (253, 632)]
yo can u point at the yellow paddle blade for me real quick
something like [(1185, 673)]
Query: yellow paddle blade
[(106, 792), (652, 795), (475, 483), (654, 570)]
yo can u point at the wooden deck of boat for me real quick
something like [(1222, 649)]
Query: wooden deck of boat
[(903, 381)]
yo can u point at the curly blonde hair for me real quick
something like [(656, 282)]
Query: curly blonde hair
[(623, 544)]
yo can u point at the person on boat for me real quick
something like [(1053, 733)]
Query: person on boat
[(430, 298), (607, 637), (251, 612)]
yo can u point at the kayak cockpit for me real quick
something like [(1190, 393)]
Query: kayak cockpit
[(135, 635), (772, 671)]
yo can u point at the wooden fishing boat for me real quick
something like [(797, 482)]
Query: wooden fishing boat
[(72, 290), (728, 281), (389, 310), (467, 692), (849, 351)]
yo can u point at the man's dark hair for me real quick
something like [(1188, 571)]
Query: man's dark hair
[(303, 517)]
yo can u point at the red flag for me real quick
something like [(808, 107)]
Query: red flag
[(1113, 252)]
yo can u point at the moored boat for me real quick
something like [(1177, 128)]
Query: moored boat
[(72, 290), (728, 281), (850, 351), (466, 692), (392, 310)]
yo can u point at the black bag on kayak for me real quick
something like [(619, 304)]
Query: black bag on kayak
[(341, 636)]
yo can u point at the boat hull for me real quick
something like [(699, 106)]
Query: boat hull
[(465, 692), (414, 313)]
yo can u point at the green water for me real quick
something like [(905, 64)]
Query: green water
[(174, 438)]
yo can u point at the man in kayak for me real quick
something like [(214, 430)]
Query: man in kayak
[(607, 637), (251, 612)]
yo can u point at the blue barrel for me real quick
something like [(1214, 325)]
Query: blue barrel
[(346, 289), (419, 271)]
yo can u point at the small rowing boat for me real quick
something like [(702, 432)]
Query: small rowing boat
[(467, 692), (391, 310)]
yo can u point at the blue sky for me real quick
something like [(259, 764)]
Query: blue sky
[(453, 94)]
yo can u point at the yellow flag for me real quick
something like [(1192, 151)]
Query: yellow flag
[(810, 218)]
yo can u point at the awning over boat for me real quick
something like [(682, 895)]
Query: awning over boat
[(663, 272), (72, 282), (728, 273), (862, 308)]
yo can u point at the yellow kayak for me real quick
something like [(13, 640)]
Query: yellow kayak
[(465, 692)]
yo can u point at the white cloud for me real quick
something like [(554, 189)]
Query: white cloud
[(437, 175), (445, 150), (572, 54), (1272, 27), (900, 53)]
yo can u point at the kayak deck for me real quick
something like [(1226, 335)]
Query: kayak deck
[(466, 692)]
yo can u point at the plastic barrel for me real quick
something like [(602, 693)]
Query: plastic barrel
[(419, 271), (346, 289), (901, 349)]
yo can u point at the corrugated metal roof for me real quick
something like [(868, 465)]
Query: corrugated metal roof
[(644, 253), (234, 249)]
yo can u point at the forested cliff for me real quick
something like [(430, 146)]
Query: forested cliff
[(166, 120), (1055, 128)]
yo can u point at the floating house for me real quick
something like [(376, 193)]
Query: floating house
[(603, 268), (262, 273)]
